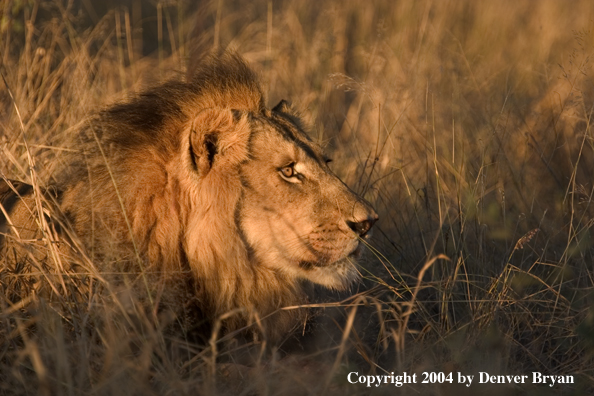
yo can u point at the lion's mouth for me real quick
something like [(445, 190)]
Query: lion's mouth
[(324, 262), (309, 265)]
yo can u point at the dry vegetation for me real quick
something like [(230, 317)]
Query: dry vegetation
[(466, 124)]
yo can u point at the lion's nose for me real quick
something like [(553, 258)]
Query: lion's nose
[(363, 227)]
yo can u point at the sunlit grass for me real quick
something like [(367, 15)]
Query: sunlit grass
[(466, 124)]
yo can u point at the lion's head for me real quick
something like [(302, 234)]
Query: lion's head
[(202, 177), (291, 213)]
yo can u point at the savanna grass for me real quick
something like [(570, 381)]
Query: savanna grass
[(466, 124)]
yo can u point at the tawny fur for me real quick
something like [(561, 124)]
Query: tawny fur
[(168, 183)]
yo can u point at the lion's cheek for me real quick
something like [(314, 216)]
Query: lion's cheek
[(272, 239), (261, 220)]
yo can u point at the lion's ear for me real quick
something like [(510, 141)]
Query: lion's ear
[(218, 137), (283, 107)]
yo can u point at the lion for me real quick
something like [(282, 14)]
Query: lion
[(199, 180)]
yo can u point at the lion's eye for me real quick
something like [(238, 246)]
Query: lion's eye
[(288, 171)]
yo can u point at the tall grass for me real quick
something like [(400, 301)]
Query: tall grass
[(466, 124)]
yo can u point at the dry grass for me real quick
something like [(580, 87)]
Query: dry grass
[(466, 123)]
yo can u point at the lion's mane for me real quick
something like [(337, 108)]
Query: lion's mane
[(132, 191)]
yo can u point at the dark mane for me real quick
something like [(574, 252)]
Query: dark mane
[(154, 117)]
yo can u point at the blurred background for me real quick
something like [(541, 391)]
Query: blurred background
[(467, 124)]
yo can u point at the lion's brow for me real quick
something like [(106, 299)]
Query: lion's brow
[(289, 132)]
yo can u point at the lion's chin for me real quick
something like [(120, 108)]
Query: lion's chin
[(338, 275)]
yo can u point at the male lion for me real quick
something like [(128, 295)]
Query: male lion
[(201, 178)]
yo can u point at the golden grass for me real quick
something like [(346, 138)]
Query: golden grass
[(466, 123)]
